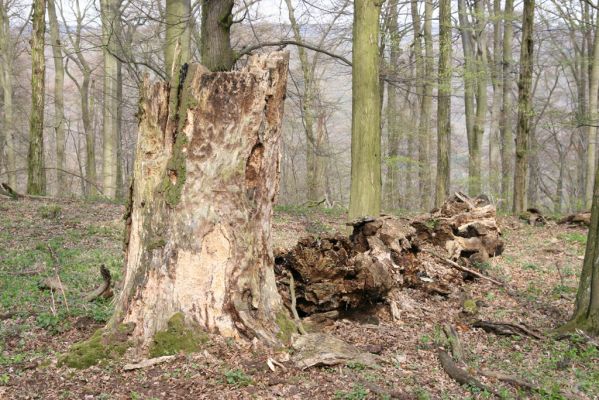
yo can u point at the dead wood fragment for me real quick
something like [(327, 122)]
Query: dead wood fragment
[(506, 329), (458, 374), (7, 315), (104, 289), (534, 217), (512, 380), (385, 393), (148, 363), (457, 351), (317, 349), (583, 218), (52, 283), (463, 269)]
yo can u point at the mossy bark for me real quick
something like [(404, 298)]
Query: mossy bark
[(204, 184)]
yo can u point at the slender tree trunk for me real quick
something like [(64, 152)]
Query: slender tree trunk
[(592, 122), (494, 132), (424, 128), (178, 37), (506, 135), (559, 188), (59, 120), (87, 110), (525, 109), (7, 91), (119, 132), (392, 182), (469, 90), (110, 19), (475, 179), (36, 175), (444, 104), (204, 187), (215, 48), (314, 174), (365, 192)]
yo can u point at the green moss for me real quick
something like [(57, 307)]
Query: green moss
[(470, 307), (101, 346), (156, 244), (286, 327), (178, 337), (174, 179)]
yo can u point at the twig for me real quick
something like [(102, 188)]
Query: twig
[(463, 269), (512, 380), (148, 363), (56, 263), (298, 321)]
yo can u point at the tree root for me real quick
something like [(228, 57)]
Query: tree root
[(104, 289), (506, 329)]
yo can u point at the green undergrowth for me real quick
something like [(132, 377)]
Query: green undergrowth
[(178, 337)]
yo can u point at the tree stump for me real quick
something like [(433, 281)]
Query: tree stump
[(206, 175)]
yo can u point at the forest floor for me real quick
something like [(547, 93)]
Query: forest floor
[(73, 238)]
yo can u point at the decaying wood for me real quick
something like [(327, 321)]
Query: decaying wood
[(52, 283), (457, 351), (506, 329), (512, 380), (464, 227), (458, 374), (583, 218), (383, 392), (205, 181), (56, 278), (148, 363), (104, 289), (534, 217), (317, 349), (463, 269)]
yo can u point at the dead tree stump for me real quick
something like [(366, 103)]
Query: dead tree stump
[(205, 179)]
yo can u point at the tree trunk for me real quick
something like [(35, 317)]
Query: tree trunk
[(444, 104), (36, 175), (506, 136), (392, 181), (109, 14), (494, 132), (424, 129), (215, 48), (524, 108), (178, 37), (87, 110), (6, 49), (586, 313), (365, 192), (204, 185), (592, 122), (59, 121), (475, 179)]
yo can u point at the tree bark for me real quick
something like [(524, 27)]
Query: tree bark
[(424, 129), (178, 37), (59, 120), (592, 122), (204, 185), (6, 49), (215, 47), (110, 20), (36, 175), (444, 104), (506, 136), (525, 109), (365, 192), (475, 179), (494, 131)]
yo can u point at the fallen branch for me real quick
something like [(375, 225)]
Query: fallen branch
[(506, 329), (457, 351), (148, 363), (9, 192), (459, 375), (463, 269), (382, 392), (512, 380), (298, 321), (60, 285), (102, 290)]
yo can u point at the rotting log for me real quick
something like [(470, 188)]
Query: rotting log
[(583, 218), (205, 179), (465, 227)]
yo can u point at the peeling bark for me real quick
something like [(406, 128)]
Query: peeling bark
[(204, 184)]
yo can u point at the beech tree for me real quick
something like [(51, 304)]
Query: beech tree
[(444, 104), (524, 108), (36, 175), (365, 191)]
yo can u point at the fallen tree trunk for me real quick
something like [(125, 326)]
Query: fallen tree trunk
[(583, 218)]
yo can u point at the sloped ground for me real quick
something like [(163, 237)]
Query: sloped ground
[(542, 264)]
